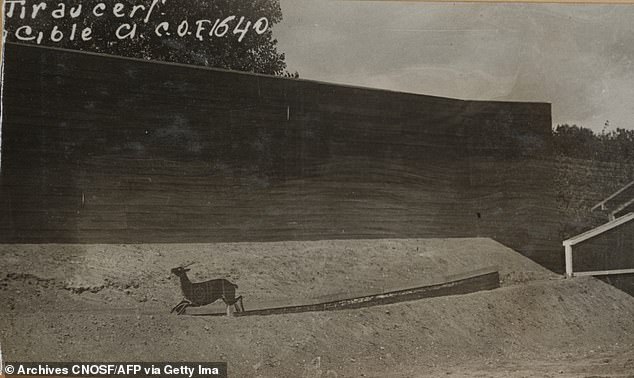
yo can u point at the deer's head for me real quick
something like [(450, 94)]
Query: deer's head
[(181, 270)]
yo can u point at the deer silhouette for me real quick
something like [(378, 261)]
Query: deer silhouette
[(207, 292)]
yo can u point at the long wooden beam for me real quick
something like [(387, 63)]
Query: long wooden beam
[(604, 272), (603, 204), (479, 282), (598, 230)]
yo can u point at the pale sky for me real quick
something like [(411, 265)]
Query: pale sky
[(577, 57)]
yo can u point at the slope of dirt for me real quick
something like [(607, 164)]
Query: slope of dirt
[(111, 303), (278, 272)]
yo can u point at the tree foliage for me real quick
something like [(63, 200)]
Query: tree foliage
[(582, 143), (254, 53), (590, 166)]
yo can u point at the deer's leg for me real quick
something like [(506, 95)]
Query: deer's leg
[(177, 306), (230, 305), (183, 307), (180, 307), (235, 303), (238, 304)]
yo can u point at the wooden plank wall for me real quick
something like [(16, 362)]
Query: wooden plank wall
[(112, 150)]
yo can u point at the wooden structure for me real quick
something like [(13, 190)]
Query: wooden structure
[(105, 149), (617, 207), (619, 203)]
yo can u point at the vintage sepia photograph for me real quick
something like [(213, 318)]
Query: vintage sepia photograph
[(316, 188)]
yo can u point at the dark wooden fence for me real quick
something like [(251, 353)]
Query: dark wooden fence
[(113, 150)]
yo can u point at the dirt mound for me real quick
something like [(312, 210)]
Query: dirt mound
[(536, 324), (280, 271)]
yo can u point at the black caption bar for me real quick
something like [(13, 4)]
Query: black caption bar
[(117, 369)]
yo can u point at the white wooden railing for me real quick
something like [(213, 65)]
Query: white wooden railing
[(620, 203), (568, 244)]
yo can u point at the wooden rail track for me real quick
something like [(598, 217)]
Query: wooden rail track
[(469, 283)]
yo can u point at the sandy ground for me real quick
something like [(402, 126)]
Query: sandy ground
[(111, 303)]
